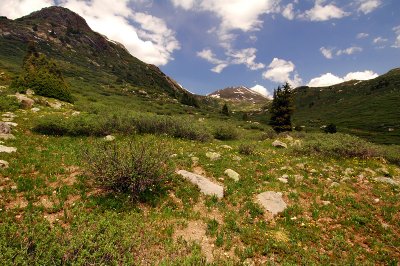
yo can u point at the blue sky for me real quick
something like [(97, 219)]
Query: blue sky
[(211, 44)]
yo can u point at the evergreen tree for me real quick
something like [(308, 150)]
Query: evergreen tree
[(42, 76), (282, 109), (225, 110)]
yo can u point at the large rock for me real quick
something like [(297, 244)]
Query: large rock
[(213, 156), (5, 128), (272, 202), (206, 186), (232, 174), (387, 180), (26, 102), (7, 149), (279, 144)]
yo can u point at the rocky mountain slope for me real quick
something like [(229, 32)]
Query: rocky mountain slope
[(65, 36), (365, 108), (238, 94)]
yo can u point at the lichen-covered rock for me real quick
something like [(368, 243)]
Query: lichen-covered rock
[(232, 174), (5, 128), (272, 202), (279, 144)]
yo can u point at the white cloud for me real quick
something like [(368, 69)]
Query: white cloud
[(185, 4), (262, 90), (349, 51), (329, 79), (17, 8), (379, 40), (367, 6), (362, 35), (245, 57), (327, 52), (280, 70), (145, 36), (397, 42), (322, 12), (288, 12)]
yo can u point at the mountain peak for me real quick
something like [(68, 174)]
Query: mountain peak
[(239, 93)]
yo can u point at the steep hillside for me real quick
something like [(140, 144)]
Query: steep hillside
[(239, 94), (84, 55), (366, 108)]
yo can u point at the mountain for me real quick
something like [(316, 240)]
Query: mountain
[(239, 94), (82, 53), (366, 108)]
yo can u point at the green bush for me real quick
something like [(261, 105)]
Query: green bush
[(338, 145), (132, 167), (268, 134), (226, 132), (8, 104), (247, 149), (331, 128), (43, 77)]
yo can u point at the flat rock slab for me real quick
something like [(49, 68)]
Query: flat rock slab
[(7, 136), (7, 149), (272, 202), (232, 174), (206, 186), (387, 180)]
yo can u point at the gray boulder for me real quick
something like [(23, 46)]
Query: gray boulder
[(26, 102), (279, 144), (206, 186), (5, 128), (272, 202)]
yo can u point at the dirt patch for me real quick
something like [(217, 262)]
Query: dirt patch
[(209, 213), (18, 202), (196, 232)]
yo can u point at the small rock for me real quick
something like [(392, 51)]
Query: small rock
[(11, 124), (283, 180), (173, 155), (226, 147), (326, 202), (29, 92), (236, 158), (7, 136), (109, 138), (9, 115), (232, 174), (387, 180), (206, 186), (26, 102), (334, 184), (55, 105), (7, 149), (195, 160), (298, 178), (76, 113), (213, 156), (313, 171), (3, 164), (349, 171), (285, 176), (279, 144), (272, 201), (7, 119), (377, 200), (5, 128), (14, 187), (35, 109)]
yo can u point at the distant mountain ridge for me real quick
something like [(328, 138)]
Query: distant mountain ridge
[(239, 94), (65, 36)]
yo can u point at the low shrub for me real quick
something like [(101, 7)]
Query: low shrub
[(339, 145), (8, 103), (268, 134), (331, 128), (226, 132), (133, 167), (247, 149)]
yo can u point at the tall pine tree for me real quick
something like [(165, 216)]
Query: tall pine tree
[(282, 109)]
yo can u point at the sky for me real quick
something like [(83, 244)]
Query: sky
[(207, 45)]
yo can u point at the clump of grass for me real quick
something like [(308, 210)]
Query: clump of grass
[(338, 145), (133, 167), (247, 149), (226, 132), (8, 103), (268, 134)]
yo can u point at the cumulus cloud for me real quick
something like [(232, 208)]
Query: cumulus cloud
[(145, 36), (245, 57), (367, 6), (397, 42), (327, 52), (349, 51), (322, 12), (288, 12), (362, 35), (330, 79), (17, 8), (185, 4), (280, 71), (262, 90)]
